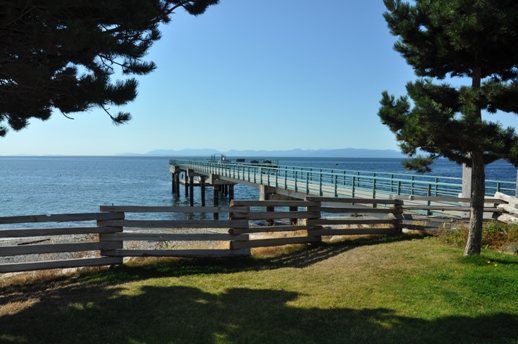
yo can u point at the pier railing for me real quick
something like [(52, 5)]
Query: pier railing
[(340, 183), (117, 232)]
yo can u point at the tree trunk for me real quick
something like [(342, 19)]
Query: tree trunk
[(478, 189)]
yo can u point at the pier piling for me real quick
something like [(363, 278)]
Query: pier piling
[(215, 187), (186, 184), (202, 190)]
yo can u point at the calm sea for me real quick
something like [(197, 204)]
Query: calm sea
[(53, 185)]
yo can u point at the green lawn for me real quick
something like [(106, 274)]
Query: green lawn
[(378, 290)]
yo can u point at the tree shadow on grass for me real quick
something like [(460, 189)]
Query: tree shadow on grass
[(483, 259), (95, 314), (323, 251), (301, 258)]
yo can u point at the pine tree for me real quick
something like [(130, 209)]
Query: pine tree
[(476, 40), (60, 54)]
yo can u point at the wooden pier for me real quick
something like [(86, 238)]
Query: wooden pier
[(295, 183), (189, 179)]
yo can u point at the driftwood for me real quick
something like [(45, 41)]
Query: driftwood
[(511, 207), (507, 218)]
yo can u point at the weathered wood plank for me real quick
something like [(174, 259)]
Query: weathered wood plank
[(416, 227), (509, 219), (398, 215), (177, 253), (171, 237), (265, 229), (448, 208), (355, 221), (508, 208), (417, 217), (177, 223), (164, 209), (360, 210), (61, 218), (33, 232), (506, 198), (57, 248), (272, 203), (273, 242), (443, 199), (350, 200), (353, 231), (276, 215), (59, 264)]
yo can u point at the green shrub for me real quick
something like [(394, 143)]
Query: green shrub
[(455, 236), (495, 235)]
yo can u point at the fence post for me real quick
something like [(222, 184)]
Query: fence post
[(239, 230), (429, 194), (310, 220), (398, 214), (114, 245)]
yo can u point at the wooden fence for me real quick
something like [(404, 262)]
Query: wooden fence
[(117, 232)]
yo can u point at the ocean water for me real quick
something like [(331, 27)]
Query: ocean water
[(56, 185)]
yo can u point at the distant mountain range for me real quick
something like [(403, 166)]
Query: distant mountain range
[(299, 153)]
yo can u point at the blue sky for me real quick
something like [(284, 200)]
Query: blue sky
[(254, 74)]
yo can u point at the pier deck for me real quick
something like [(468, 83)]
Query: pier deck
[(289, 182)]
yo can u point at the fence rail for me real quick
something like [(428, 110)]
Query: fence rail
[(63, 242)]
